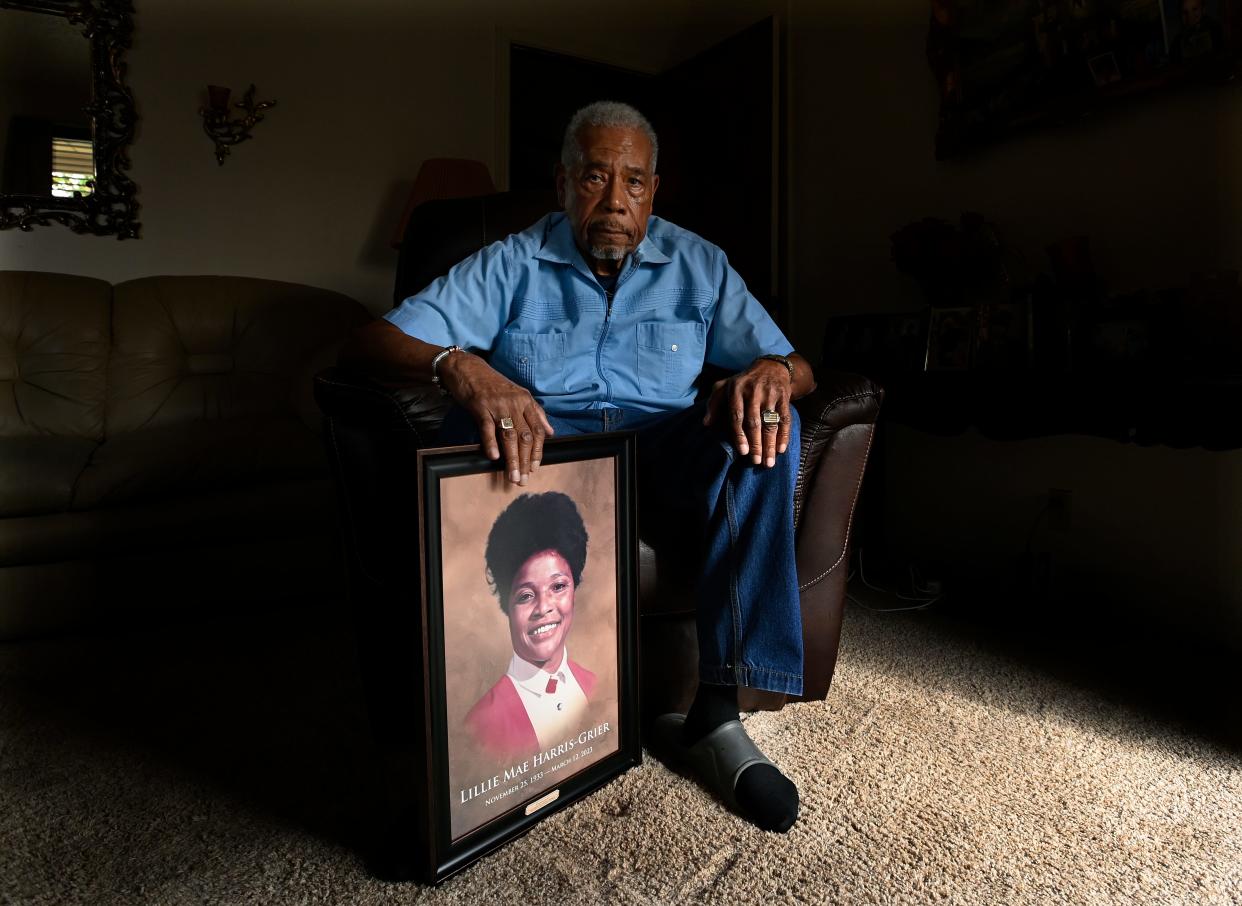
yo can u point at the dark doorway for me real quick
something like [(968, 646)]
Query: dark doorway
[(719, 142), (545, 89)]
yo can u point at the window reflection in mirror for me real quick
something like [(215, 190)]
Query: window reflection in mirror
[(45, 86)]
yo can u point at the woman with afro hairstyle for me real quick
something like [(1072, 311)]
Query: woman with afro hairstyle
[(535, 554)]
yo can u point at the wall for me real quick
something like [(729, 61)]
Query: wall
[(366, 91), (369, 90), (1157, 187)]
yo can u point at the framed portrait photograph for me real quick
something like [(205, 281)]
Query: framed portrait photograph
[(530, 632), (950, 339)]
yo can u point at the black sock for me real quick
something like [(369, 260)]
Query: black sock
[(712, 706), (765, 796)]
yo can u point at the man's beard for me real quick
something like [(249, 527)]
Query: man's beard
[(608, 252)]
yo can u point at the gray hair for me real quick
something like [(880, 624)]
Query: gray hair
[(605, 113)]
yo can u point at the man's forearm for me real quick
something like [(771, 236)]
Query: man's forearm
[(387, 355)]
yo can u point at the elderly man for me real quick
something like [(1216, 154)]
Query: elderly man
[(602, 318)]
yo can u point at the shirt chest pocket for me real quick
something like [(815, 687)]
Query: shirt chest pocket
[(536, 360), (670, 356)]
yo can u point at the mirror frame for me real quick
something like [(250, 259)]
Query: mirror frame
[(111, 209)]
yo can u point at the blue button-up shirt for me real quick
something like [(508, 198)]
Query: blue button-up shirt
[(531, 304)]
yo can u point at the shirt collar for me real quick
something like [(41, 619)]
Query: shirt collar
[(536, 678), (648, 251), (558, 247)]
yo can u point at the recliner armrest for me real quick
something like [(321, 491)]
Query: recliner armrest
[(356, 400), (841, 400)]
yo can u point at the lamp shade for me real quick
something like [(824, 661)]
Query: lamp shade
[(444, 177)]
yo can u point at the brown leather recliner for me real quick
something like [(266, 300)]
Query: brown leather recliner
[(372, 433)]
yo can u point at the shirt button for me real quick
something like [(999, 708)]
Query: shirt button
[(674, 347), (560, 706), (522, 360)]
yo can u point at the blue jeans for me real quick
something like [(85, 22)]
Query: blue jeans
[(693, 485)]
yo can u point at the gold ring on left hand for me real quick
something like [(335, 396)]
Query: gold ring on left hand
[(770, 417), (506, 424)]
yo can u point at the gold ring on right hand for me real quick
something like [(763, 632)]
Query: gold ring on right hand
[(770, 417), (506, 424)]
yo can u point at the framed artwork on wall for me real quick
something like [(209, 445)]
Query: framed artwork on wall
[(529, 630), (1004, 65)]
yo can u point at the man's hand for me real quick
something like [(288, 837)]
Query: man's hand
[(391, 357), (737, 403), (490, 397)]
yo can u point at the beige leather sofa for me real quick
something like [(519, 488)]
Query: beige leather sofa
[(159, 446)]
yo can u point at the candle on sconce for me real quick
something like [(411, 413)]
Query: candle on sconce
[(218, 97)]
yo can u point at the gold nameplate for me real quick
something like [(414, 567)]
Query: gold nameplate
[(542, 801)]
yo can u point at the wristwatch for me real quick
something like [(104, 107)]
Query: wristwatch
[(784, 360)]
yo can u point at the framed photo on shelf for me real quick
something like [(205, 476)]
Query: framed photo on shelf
[(529, 629), (1104, 69), (891, 343), (950, 339), (1004, 338), (1194, 29)]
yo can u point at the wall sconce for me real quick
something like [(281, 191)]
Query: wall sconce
[(227, 132)]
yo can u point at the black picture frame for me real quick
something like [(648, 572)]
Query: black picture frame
[(111, 208), (452, 834)]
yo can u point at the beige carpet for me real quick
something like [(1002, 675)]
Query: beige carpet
[(219, 764)]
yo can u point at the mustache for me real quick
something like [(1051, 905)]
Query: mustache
[(611, 225)]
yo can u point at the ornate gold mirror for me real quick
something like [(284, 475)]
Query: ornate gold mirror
[(66, 116)]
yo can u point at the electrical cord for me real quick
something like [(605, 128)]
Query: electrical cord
[(922, 603), (915, 585), (1030, 535), (849, 597)]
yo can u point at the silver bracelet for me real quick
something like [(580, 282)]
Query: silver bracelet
[(435, 366)]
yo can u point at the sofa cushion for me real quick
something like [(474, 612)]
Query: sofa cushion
[(39, 472), (142, 587), (254, 513), (189, 349), (198, 457), (54, 336)]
